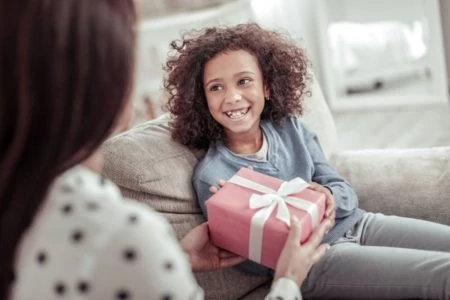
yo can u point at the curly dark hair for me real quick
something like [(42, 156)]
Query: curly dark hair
[(284, 69)]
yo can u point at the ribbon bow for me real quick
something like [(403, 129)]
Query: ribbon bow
[(267, 202), (279, 199)]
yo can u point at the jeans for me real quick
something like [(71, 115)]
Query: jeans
[(384, 257)]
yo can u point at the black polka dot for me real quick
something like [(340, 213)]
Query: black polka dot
[(133, 218), (41, 257), (60, 288), (166, 297), (168, 265), (83, 287), (77, 236), (67, 209), (102, 180), (123, 294), (129, 254), (92, 206)]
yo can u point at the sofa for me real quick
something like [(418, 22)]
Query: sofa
[(151, 168)]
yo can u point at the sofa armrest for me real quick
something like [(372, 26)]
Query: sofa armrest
[(405, 182)]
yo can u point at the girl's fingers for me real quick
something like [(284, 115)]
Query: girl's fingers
[(313, 185), (214, 189), (329, 211)]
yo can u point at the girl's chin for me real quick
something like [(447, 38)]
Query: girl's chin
[(242, 128), (236, 124)]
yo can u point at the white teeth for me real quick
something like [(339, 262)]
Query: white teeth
[(236, 114)]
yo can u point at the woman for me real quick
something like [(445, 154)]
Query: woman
[(65, 79)]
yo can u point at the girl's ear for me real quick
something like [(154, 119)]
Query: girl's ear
[(266, 91)]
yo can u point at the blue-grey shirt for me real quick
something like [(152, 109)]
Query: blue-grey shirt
[(294, 151)]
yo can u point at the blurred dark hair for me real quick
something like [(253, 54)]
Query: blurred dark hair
[(65, 74), (284, 68)]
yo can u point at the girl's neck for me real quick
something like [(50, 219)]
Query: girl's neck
[(248, 143)]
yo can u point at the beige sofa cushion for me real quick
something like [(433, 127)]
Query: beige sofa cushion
[(407, 182), (318, 117), (151, 168)]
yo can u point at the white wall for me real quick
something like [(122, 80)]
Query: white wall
[(297, 17)]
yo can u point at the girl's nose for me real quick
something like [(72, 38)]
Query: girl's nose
[(234, 98)]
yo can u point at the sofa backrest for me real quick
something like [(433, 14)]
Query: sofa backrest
[(151, 168), (318, 117)]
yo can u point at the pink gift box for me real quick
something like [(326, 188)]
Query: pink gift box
[(230, 219)]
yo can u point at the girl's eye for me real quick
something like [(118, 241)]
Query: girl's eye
[(244, 81), (215, 88)]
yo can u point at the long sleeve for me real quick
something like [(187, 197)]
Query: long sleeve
[(324, 174), (159, 268), (202, 192), (88, 243), (284, 289), (144, 261)]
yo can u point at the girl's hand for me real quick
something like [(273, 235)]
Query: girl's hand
[(202, 254), (330, 209), (296, 260), (214, 189)]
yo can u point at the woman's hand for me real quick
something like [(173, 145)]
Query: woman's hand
[(330, 209), (203, 255), (296, 260)]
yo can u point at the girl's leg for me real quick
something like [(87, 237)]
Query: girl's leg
[(351, 271), (372, 262), (394, 231)]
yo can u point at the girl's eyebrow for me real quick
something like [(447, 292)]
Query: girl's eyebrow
[(235, 75), (244, 73), (212, 80)]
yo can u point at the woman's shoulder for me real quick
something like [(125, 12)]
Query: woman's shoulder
[(86, 206), (97, 199), (86, 231)]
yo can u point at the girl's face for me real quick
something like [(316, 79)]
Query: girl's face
[(235, 92)]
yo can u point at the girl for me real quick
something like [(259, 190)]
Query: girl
[(65, 77), (237, 92)]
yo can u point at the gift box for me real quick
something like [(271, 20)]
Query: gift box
[(250, 214)]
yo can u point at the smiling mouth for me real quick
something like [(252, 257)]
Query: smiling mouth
[(237, 114)]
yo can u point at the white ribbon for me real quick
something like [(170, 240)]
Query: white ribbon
[(267, 202)]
